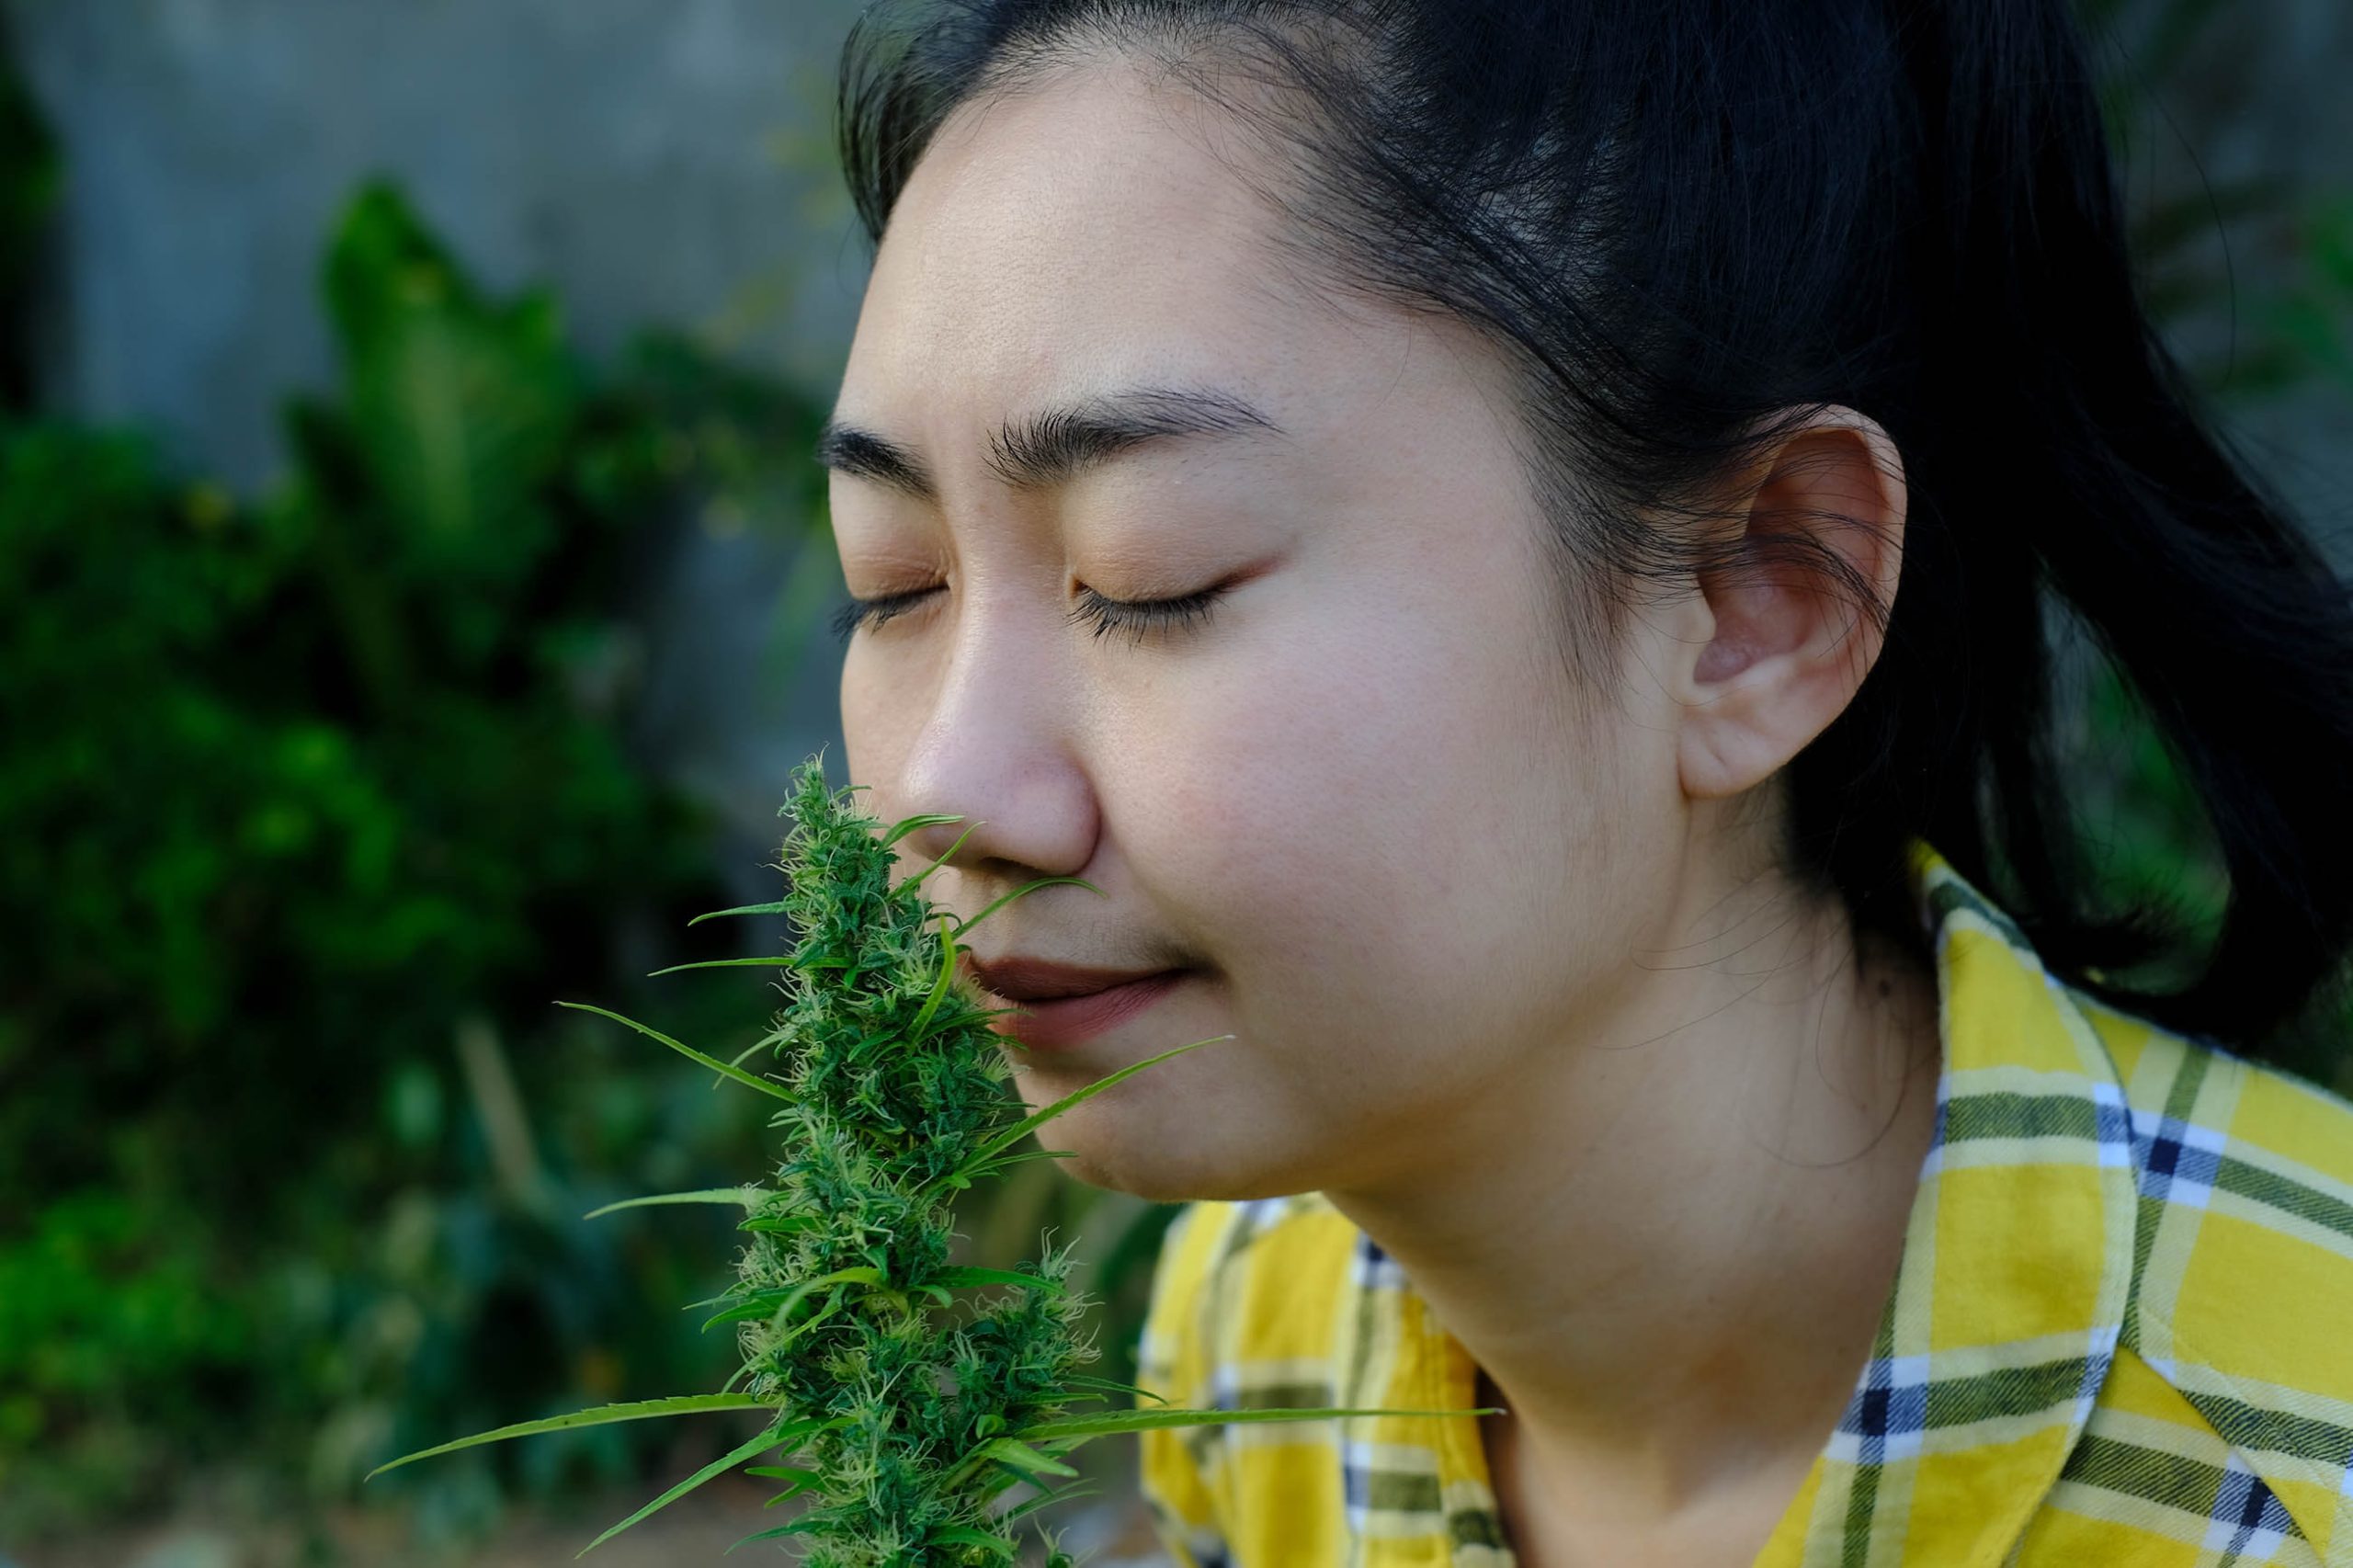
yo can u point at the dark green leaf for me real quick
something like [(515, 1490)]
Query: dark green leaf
[(710, 1061), (766, 1440), (959, 1277), (746, 1196), (638, 1410), (778, 908)]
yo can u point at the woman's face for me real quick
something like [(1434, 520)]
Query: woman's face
[(1359, 799)]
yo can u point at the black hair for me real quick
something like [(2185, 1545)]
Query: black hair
[(1690, 225)]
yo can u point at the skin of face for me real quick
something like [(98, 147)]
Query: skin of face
[(1511, 975)]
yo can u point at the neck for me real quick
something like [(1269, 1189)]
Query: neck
[(1668, 1247)]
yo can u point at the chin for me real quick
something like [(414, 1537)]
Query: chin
[(1169, 1176), (1156, 1142), (1129, 1170)]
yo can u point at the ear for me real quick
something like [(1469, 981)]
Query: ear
[(1786, 647)]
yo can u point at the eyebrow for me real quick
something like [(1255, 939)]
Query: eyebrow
[(1040, 451)]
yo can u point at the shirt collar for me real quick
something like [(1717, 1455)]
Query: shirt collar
[(2017, 1270)]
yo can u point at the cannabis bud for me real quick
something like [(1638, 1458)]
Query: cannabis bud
[(901, 1428)]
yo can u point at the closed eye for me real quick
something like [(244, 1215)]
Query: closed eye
[(1138, 618), (858, 614)]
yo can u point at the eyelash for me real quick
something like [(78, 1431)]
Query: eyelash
[(1137, 617)]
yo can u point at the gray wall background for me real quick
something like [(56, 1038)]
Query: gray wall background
[(671, 160), (655, 161)]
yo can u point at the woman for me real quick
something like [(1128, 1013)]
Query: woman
[(1506, 540)]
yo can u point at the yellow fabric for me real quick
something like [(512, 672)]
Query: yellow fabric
[(2121, 1332)]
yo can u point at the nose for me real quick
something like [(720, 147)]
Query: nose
[(998, 751)]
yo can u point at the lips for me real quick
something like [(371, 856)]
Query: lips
[(1067, 1020), (1021, 979)]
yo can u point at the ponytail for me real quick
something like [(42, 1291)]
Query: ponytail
[(2068, 463)]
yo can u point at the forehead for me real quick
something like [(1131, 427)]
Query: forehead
[(1089, 229)]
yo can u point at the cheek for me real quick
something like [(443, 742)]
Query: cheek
[(1363, 827), (1388, 958), (1401, 787), (861, 747), (888, 698)]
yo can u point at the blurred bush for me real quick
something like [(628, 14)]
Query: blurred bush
[(311, 806)]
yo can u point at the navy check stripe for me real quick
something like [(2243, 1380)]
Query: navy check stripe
[(1897, 1401), (2245, 1501), (1890, 1403), (1373, 1268), (2173, 1153), (2179, 1162), (2225, 1495)]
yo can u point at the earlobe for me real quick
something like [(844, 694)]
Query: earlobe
[(1793, 630)]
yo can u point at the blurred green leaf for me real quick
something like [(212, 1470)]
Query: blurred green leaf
[(294, 785)]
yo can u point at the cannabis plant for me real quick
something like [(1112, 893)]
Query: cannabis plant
[(901, 1429)]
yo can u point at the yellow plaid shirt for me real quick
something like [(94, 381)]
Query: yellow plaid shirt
[(2121, 1332)]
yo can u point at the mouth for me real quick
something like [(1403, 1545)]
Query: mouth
[(1051, 1022)]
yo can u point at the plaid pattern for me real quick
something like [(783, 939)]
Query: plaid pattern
[(2121, 1332)]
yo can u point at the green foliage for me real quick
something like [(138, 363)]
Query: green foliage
[(102, 1303), (2152, 849), (2314, 316), (2252, 276), (295, 788), (458, 413), (2140, 807), (893, 1097)]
